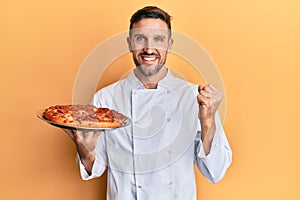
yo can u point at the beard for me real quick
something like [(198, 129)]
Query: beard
[(149, 69), (151, 72)]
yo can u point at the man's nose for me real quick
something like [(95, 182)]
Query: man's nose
[(149, 50), (149, 47)]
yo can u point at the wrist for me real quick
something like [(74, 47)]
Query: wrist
[(88, 156), (88, 162), (207, 124)]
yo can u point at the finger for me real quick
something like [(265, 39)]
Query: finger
[(203, 90), (200, 87), (212, 87), (205, 93), (88, 135), (96, 134), (208, 91), (203, 101), (202, 107), (83, 135), (206, 88), (70, 133), (215, 90), (78, 135), (91, 135)]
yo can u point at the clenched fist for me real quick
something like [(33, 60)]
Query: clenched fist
[(209, 99)]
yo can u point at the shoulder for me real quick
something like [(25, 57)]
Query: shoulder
[(183, 82), (106, 93), (179, 84)]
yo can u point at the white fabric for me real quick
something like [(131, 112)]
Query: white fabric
[(154, 157)]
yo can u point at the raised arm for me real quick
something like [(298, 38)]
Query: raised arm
[(213, 152), (209, 99)]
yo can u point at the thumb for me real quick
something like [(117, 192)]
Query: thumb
[(202, 110)]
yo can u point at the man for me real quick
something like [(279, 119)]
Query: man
[(174, 124)]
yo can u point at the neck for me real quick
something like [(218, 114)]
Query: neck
[(151, 82)]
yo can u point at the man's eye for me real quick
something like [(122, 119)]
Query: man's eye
[(140, 38), (159, 39)]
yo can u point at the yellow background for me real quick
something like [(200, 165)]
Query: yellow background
[(255, 45)]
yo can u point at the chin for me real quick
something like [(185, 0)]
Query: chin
[(149, 70)]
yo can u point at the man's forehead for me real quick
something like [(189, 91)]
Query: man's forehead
[(150, 23), (150, 31)]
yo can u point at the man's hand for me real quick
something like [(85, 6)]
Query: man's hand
[(86, 143), (88, 139), (209, 99)]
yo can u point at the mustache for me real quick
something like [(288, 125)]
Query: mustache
[(148, 54)]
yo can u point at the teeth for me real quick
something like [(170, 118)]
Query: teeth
[(149, 58)]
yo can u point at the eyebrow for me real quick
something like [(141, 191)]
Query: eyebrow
[(140, 34), (160, 36)]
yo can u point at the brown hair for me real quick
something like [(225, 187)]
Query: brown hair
[(151, 12)]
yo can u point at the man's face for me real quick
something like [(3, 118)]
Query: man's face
[(149, 43)]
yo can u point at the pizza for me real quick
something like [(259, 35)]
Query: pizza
[(86, 116)]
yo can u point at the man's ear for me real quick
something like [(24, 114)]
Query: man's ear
[(170, 45), (129, 44)]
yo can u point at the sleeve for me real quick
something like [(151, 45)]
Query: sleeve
[(97, 170), (214, 165)]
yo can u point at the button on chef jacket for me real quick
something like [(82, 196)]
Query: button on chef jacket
[(153, 158)]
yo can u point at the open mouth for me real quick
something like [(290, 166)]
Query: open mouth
[(149, 58)]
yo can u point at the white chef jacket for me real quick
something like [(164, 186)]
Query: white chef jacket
[(153, 157)]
